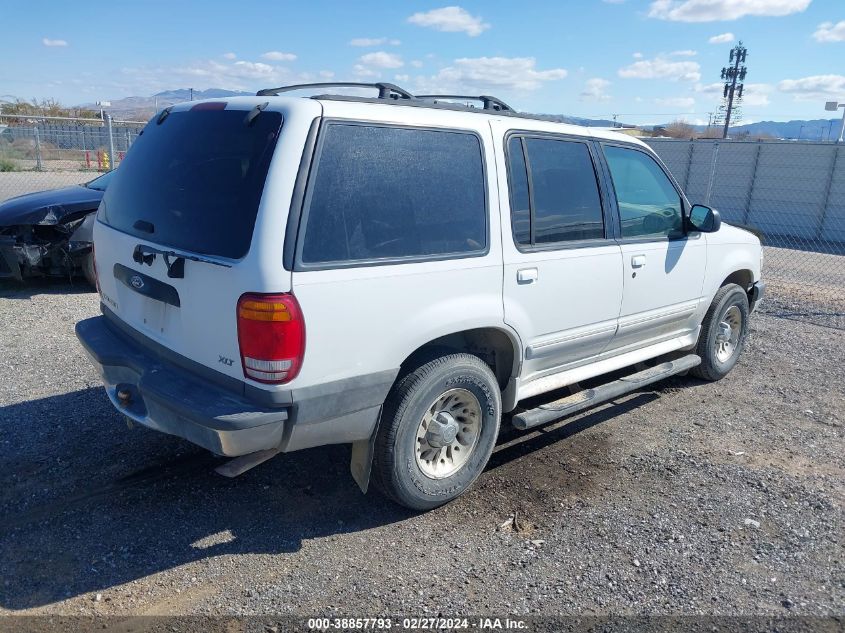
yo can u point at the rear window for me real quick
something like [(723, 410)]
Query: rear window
[(388, 192), (194, 181)]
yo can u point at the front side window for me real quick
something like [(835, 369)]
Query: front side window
[(562, 191), (385, 192), (649, 206)]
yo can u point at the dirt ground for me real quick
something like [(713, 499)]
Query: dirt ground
[(688, 498)]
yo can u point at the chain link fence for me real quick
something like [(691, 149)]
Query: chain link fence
[(43, 152), (792, 193)]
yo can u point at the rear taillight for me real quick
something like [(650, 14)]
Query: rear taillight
[(271, 335)]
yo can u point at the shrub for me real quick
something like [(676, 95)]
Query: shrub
[(7, 164)]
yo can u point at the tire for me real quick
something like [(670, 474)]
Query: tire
[(422, 466), (718, 356), (88, 270)]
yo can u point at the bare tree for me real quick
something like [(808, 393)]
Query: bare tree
[(679, 129)]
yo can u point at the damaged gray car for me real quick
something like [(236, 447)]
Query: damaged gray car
[(50, 233)]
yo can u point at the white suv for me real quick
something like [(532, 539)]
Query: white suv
[(397, 272)]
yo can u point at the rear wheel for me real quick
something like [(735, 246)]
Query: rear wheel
[(723, 333), (437, 431)]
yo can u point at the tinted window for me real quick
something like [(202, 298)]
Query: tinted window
[(520, 206), (385, 192), (649, 206), (564, 194), (197, 178)]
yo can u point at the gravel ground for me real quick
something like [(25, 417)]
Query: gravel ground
[(690, 498)]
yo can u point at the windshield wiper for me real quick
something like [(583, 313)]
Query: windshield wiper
[(144, 254)]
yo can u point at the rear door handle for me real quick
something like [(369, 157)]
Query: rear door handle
[(527, 275), (638, 261)]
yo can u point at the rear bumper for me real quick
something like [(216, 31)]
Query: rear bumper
[(168, 397), (758, 291)]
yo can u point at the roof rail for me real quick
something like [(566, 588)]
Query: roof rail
[(490, 103), (385, 90)]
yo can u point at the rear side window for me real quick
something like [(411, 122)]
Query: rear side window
[(194, 181), (565, 204), (387, 192)]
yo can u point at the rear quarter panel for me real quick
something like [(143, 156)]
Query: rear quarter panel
[(367, 319)]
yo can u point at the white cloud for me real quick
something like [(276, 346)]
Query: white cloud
[(363, 72), (594, 90), (416, 63), (684, 53), (52, 43), (830, 32), (208, 73), (450, 20), (480, 74), (278, 56), (402, 77), (815, 87), (662, 68), (756, 95), (709, 88), (326, 74), (722, 38), (676, 102), (381, 59), (229, 56), (713, 10), (373, 41), (638, 55)]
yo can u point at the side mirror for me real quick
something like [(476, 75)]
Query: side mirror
[(704, 219)]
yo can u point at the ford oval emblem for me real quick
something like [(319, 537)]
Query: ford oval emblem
[(136, 282)]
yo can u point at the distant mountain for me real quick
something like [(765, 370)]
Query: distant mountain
[(574, 120), (813, 130), (142, 108)]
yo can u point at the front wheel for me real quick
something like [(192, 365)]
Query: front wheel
[(723, 333), (438, 428)]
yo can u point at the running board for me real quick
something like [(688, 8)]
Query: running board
[(553, 411)]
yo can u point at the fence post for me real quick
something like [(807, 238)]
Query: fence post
[(828, 187), (712, 173), (38, 165), (112, 157), (753, 180), (689, 164)]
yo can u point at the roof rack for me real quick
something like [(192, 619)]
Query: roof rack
[(490, 103), (385, 90)]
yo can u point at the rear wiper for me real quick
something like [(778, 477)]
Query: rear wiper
[(144, 254), (250, 118), (164, 114)]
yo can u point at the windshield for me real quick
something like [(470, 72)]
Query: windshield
[(194, 181), (101, 182)]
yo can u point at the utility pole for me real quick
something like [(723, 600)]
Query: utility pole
[(731, 75)]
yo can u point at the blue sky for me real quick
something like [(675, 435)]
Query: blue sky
[(647, 60)]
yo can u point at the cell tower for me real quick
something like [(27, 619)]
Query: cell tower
[(733, 76)]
